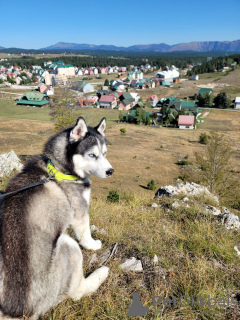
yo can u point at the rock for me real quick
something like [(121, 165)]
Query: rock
[(154, 205), (213, 210), (225, 210), (155, 260), (132, 264), (236, 249), (93, 259), (190, 189), (9, 162), (102, 231), (175, 204), (104, 255), (230, 221), (185, 199), (93, 228)]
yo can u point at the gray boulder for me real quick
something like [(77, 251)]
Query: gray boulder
[(9, 162), (132, 264), (230, 221)]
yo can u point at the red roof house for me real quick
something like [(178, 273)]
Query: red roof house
[(186, 122)]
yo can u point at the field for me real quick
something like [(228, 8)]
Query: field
[(196, 255)]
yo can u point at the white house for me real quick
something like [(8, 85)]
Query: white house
[(195, 77), (237, 103), (135, 96), (80, 72), (168, 74)]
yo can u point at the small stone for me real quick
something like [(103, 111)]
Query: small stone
[(154, 205), (213, 210), (102, 231), (93, 228), (175, 204), (236, 249), (93, 259), (185, 199), (155, 259), (132, 264)]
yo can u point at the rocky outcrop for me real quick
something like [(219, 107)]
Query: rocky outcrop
[(8, 163), (189, 189)]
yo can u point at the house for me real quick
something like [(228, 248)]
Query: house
[(108, 101), (90, 72), (134, 84), (237, 103), (168, 74), (135, 96), (48, 90), (82, 86), (18, 80), (126, 101), (80, 72), (59, 80), (184, 106), (153, 99), (33, 98), (204, 90), (139, 75), (103, 70), (66, 69), (195, 77), (186, 122)]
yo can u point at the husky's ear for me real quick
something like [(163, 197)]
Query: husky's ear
[(102, 126), (79, 131)]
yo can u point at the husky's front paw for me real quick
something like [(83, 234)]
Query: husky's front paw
[(92, 244)]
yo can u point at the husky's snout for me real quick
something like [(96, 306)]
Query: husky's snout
[(109, 172)]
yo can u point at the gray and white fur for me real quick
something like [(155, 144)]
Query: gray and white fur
[(40, 265)]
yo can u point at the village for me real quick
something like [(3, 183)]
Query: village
[(125, 89)]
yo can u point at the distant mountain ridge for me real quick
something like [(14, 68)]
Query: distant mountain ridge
[(197, 46)]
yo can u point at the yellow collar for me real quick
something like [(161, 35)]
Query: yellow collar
[(58, 175)]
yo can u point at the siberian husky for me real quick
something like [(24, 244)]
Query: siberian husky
[(40, 265)]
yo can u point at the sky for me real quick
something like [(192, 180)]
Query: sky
[(34, 24)]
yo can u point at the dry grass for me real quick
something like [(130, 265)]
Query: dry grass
[(195, 253)]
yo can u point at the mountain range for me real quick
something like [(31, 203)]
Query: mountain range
[(202, 46), (197, 46)]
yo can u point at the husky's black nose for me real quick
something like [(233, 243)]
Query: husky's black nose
[(109, 172)]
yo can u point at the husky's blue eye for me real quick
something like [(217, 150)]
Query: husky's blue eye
[(92, 155)]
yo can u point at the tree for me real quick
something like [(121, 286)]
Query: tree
[(62, 116), (106, 83), (205, 99), (147, 121), (222, 101), (120, 116), (214, 169)]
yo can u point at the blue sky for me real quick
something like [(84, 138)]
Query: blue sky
[(33, 24)]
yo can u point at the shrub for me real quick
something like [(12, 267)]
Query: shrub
[(113, 196), (151, 185), (185, 162), (203, 139), (123, 130)]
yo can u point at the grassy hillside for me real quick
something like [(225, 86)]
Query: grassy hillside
[(195, 252)]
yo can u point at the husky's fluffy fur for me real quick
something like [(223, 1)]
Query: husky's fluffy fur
[(40, 265)]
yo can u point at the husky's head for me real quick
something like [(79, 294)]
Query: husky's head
[(86, 150), (80, 150)]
